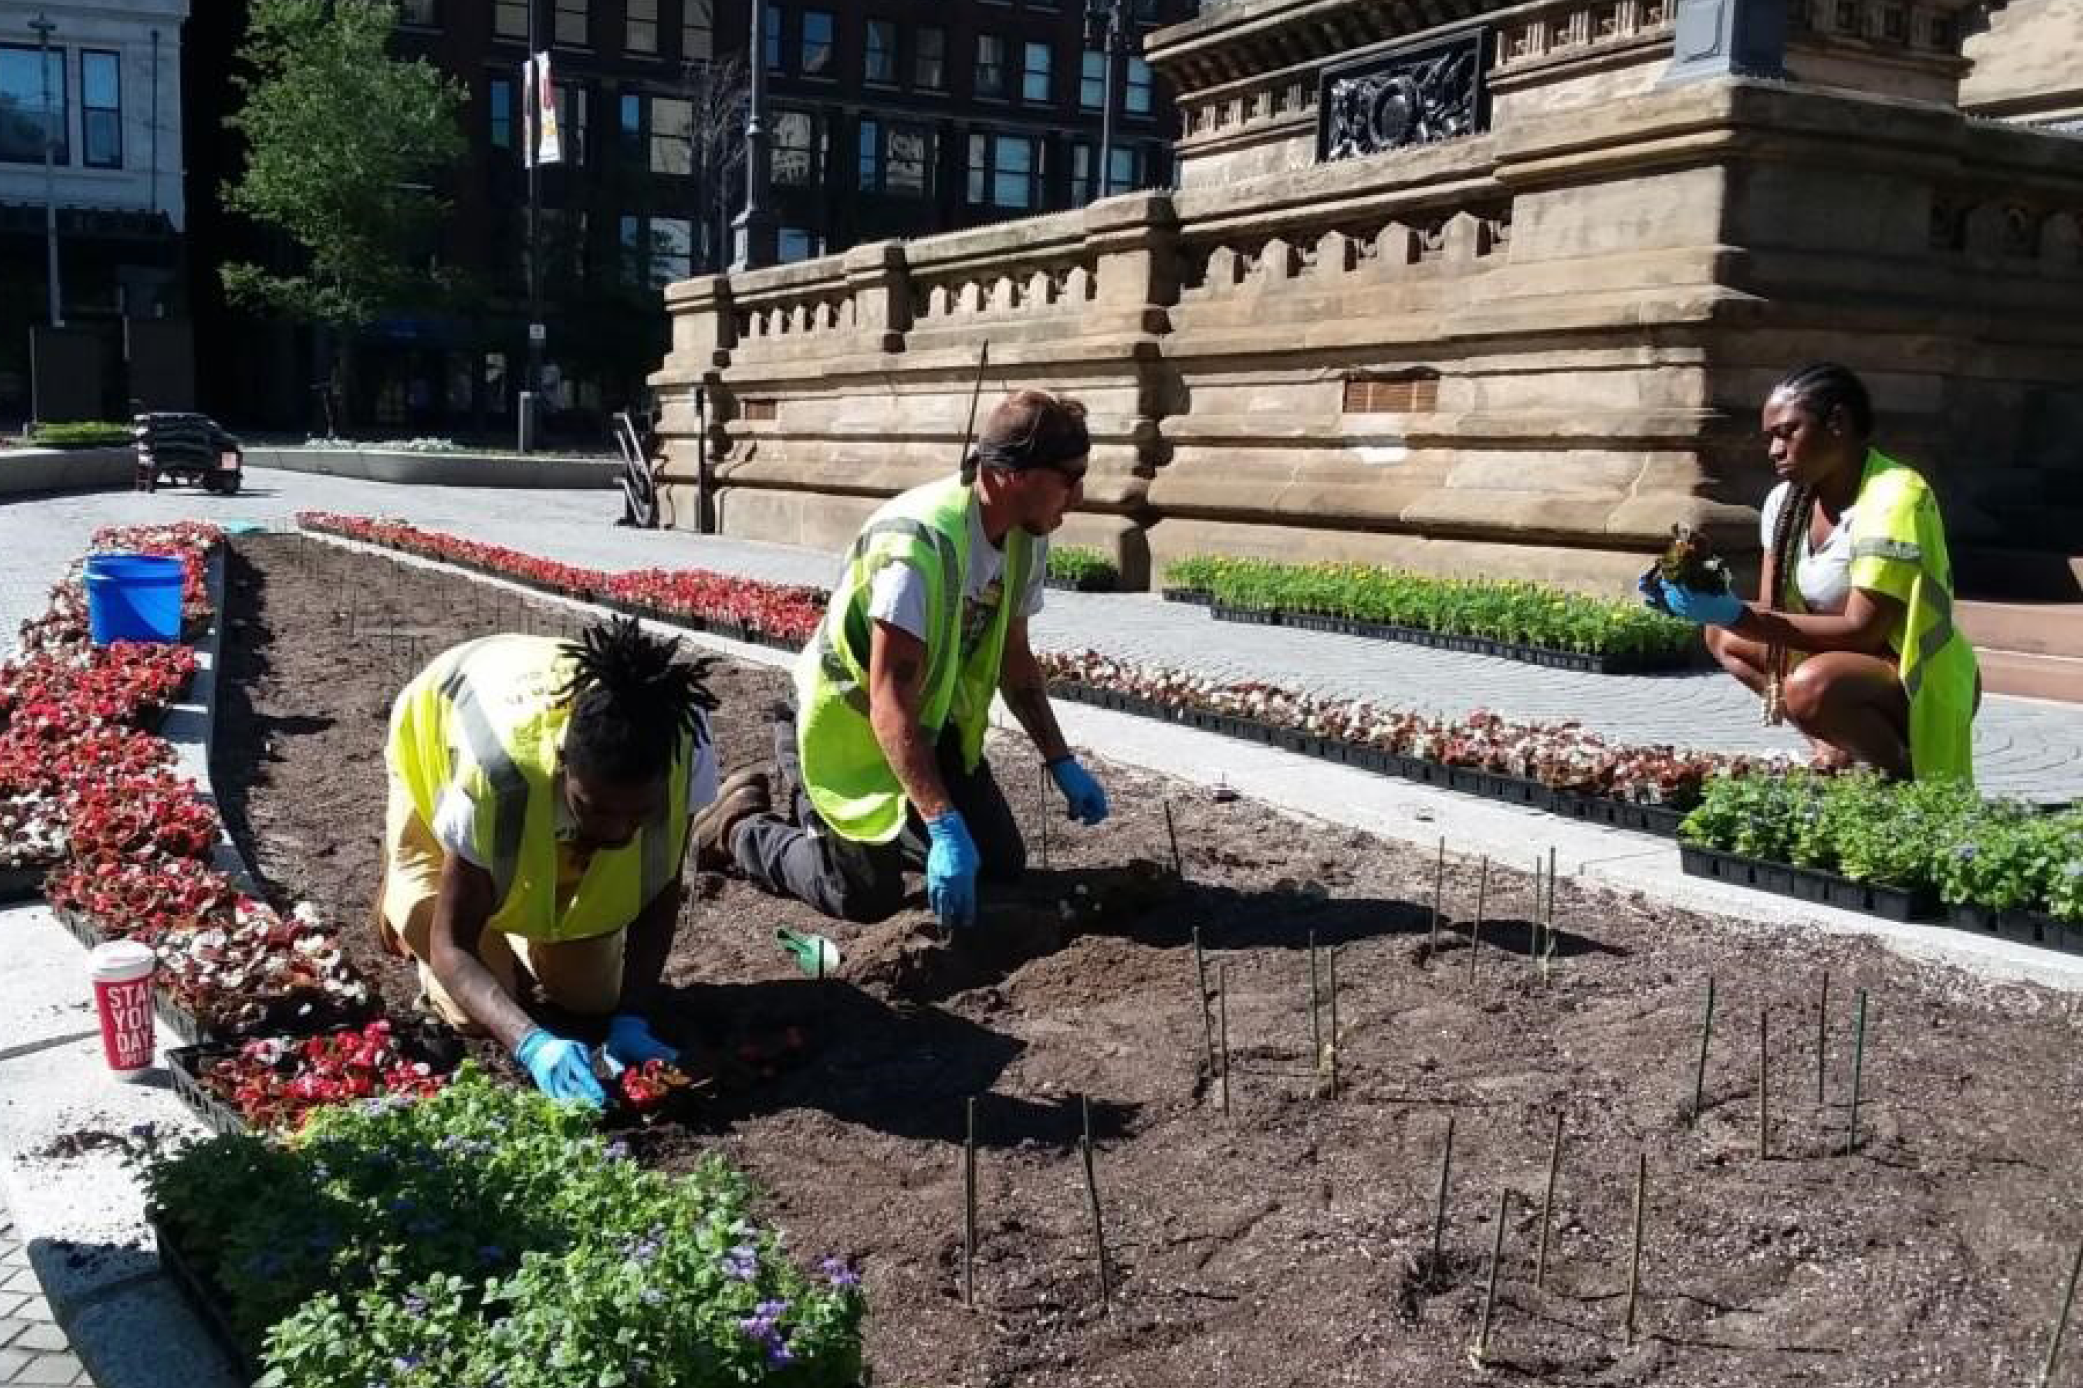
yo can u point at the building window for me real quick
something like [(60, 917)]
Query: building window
[(1138, 98), (1034, 72), (640, 27), (798, 149), (510, 19), (879, 55), (799, 243), (22, 96), (1092, 80), (929, 68), (499, 98), (570, 28), (897, 159), (672, 135), (697, 30), (101, 110), (655, 250), (816, 51), (1005, 170), (1084, 176), (572, 110), (425, 13), (990, 65), (770, 39)]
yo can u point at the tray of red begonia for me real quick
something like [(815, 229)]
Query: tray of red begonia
[(273, 1082)]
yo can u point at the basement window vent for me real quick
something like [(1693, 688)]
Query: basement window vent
[(1417, 393), (759, 409)]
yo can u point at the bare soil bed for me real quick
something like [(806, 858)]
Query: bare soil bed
[(1287, 1242)]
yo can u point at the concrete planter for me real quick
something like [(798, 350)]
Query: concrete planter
[(442, 469), (25, 471)]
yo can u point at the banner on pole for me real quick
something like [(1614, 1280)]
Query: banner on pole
[(539, 136)]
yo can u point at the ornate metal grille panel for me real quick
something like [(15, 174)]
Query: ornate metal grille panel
[(1414, 96)]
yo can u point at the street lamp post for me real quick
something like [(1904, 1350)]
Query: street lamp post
[(531, 100), (753, 234), (1104, 30), (44, 28)]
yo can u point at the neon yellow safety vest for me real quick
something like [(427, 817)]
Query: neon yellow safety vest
[(484, 718), (1899, 548), (845, 774)]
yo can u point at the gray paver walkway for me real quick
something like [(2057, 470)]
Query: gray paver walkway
[(32, 1347), (2023, 746)]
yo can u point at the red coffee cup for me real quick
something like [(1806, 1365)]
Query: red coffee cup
[(123, 999)]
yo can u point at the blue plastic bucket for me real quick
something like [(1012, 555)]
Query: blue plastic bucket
[(133, 597)]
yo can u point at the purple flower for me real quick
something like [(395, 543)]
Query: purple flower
[(741, 1264), (617, 1150), (778, 1352), (415, 1305), (650, 1296), (839, 1274)]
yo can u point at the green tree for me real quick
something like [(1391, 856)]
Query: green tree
[(342, 142)]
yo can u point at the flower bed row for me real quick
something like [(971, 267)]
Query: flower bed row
[(1559, 767), (743, 609), (1509, 618), (1914, 850)]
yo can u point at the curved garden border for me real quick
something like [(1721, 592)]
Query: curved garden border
[(459, 469)]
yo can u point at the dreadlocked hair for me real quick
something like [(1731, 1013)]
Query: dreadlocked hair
[(1780, 558), (632, 701)]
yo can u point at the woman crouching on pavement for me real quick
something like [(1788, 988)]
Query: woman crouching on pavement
[(1852, 634)]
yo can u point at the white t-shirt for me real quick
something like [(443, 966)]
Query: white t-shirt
[(1823, 578), (897, 594), (455, 816)]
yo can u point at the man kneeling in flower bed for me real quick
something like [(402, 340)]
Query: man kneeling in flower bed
[(541, 793), (893, 693)]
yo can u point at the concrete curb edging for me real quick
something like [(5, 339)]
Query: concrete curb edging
[(459, 469), (40, 471), (82, 1218)]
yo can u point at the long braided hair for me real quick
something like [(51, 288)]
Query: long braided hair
[(1820, 388), (633, 700)]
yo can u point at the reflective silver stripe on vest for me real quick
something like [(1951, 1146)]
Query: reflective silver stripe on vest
[(509, 786), (1888, 549), (1934, 638)]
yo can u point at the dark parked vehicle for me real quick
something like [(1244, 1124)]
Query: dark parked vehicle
[(185, 447)]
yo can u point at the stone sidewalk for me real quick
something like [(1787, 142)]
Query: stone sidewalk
[(2023, 746), (32, 1347)]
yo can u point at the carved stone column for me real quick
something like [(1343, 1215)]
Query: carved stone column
[(878, 279), (1728, 38)]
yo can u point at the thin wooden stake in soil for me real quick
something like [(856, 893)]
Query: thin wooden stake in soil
[(1540, 1257), (1043, 816), (1171, 832), (2061, 1322), (1331, 982), (1634, 1262), (1699, 1069), (969, 1209), (1439, 1213), (1222, 1019), (1822, 1038), (1439, 886), (1851, 1132), (1504, 1211), (1533, 953), (1316, 1017), (1200, 978), (1475, 932), (1764, 1083), (1099, 1233)]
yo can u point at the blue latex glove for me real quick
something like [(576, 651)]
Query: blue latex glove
[(630, 1042), (951, 865), (560, 1068), (1088, 803), (1707, 609)]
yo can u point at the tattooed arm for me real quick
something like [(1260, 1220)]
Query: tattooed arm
[(896, 683), (1026, 691)]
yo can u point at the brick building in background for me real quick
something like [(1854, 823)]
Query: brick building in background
[(111, 74), (888, 118)]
